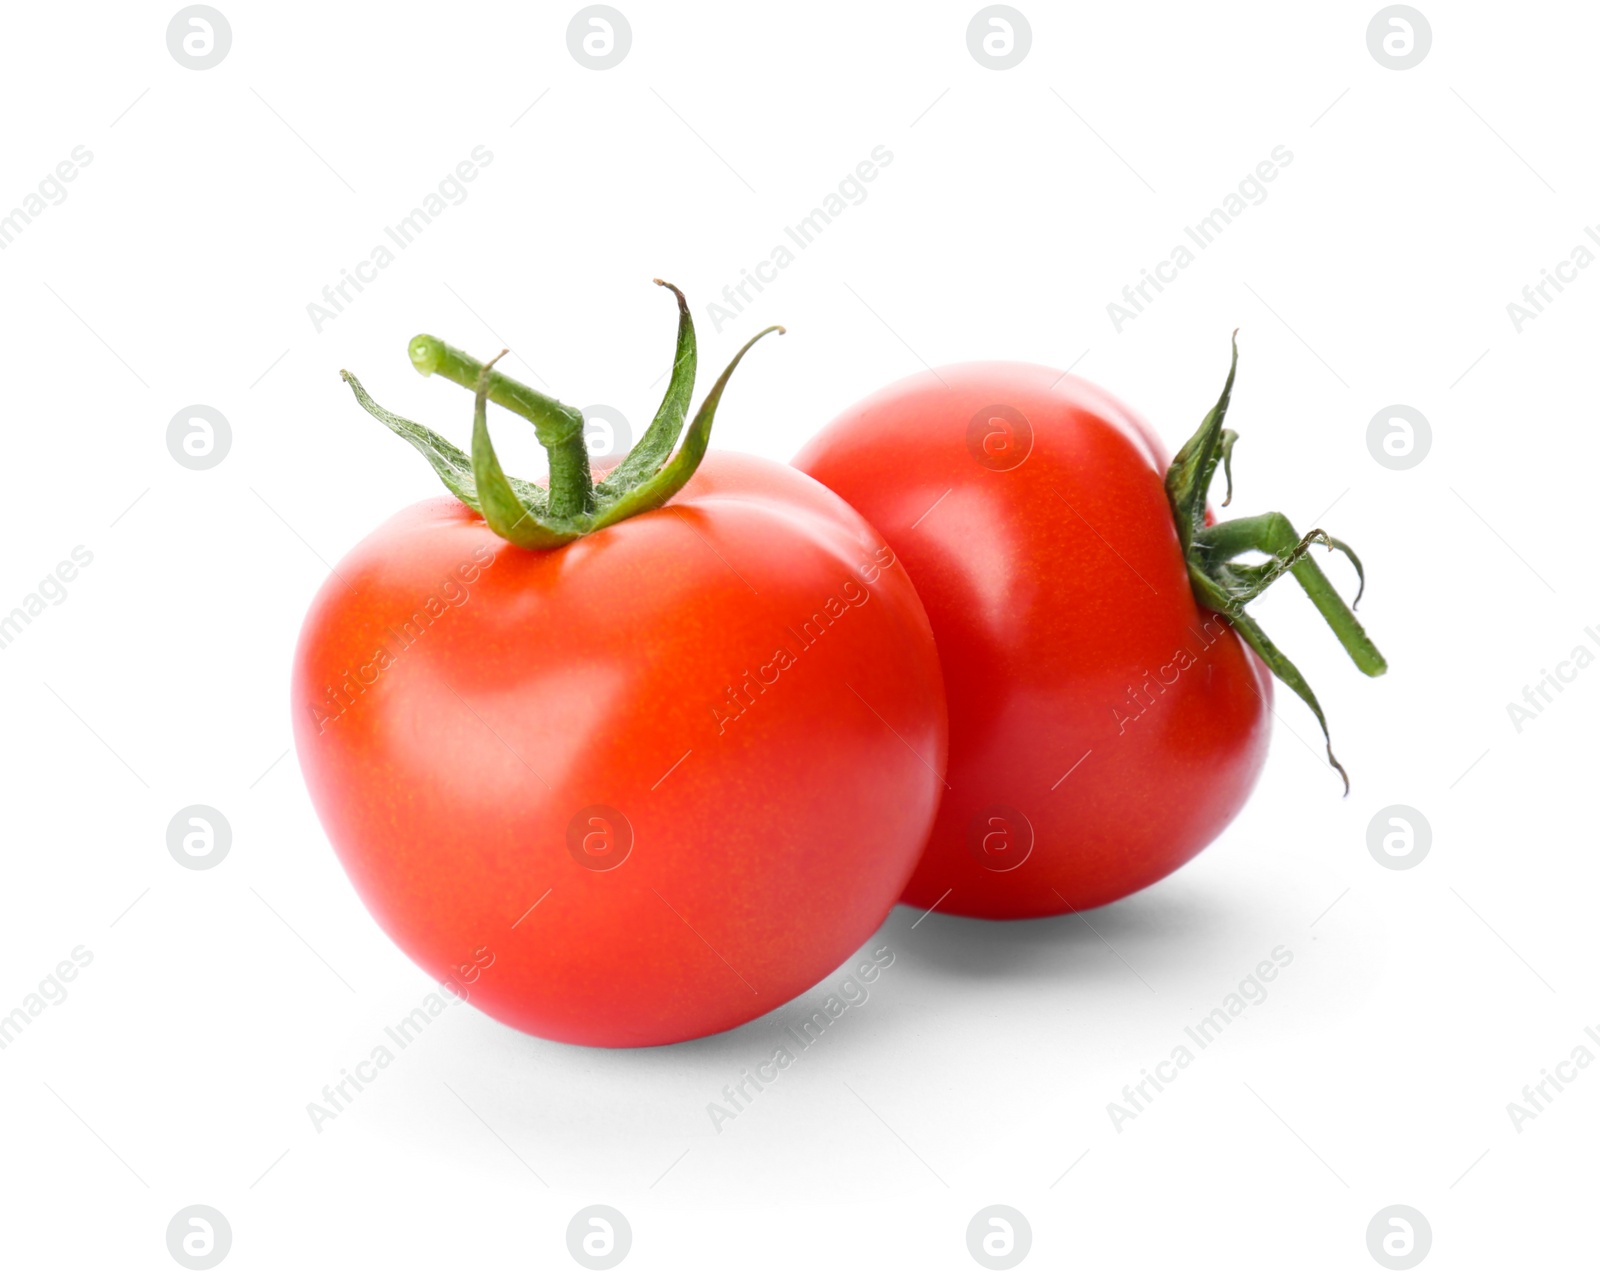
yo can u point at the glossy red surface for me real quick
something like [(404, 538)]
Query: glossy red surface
[(744, 675), (1101, 723)]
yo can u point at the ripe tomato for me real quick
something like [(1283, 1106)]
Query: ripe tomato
[(1104, 724), (640, 787)]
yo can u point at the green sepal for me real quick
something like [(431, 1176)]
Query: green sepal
[(503, 511), (1189, 476), (448, 461), (652, 449), (1225, 585), (531, 516), (666, 482)]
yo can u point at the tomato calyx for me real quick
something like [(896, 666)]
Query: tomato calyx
[(1224, 584), (540, 517)]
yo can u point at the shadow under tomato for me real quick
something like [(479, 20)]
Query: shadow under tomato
[(1141, 939), (1145, 934)]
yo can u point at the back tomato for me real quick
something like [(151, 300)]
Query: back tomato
[(640, 788), (1103, 726)]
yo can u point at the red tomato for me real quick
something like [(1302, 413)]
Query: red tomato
[(1104, 727), (639, 788)]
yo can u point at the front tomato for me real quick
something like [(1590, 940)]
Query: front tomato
[(639, 787)]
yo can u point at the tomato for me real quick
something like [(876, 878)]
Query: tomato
[(634, 788), (1108, 716)]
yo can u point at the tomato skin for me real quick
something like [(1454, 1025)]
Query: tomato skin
[(1060, 601), (767, 844)]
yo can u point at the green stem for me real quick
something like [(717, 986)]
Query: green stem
[(559, 427), (1224, 585), (536, 518), (1273, 534), (571, 484), (502, 510)]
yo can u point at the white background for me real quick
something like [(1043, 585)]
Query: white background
[(1018, 204)]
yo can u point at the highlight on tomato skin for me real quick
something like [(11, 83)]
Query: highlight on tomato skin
[(644, 769), (1110, 695)]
